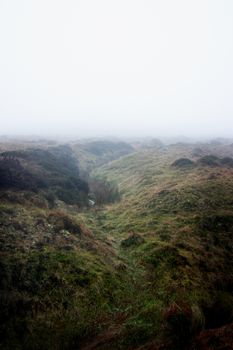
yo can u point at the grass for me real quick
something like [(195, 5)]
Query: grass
[(156, 265), (185, 218)]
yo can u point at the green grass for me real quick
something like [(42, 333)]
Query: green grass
[(156, 265), (185, 219)]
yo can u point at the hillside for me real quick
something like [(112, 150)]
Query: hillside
[(92, 154), (52, 173), (151, 269), (174, 224)]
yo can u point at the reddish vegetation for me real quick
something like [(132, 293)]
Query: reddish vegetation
[(215, 339)]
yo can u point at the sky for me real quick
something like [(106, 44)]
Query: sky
[(116, 67)]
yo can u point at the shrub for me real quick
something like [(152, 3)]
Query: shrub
[(104, 191), (227, 161), (183, 163), (209, 160)]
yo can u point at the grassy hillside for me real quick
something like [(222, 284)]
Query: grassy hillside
[(152, 270), (51, 172), (175, 224), (93, 154)]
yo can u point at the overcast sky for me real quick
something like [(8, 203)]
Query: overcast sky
[(116, 67)]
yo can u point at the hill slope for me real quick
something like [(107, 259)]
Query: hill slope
[(175, 224), (151, 271), (53, 172)]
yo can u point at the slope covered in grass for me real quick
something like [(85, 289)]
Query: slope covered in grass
[(92, 154), (184, 216), (53, 172), (58, 283), (153, 270)]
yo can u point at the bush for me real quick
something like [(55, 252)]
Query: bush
[(227, 161), (209, 160), (104, 191), (183, 163)]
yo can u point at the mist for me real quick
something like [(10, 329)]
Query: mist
[(121, 68)]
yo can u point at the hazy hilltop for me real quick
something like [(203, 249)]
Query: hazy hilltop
[(110, 244)]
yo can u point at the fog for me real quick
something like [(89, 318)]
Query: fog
[(125, 67)]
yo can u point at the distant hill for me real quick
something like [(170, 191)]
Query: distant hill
[(96, 153)]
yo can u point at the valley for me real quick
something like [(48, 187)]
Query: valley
[(148, 266)]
